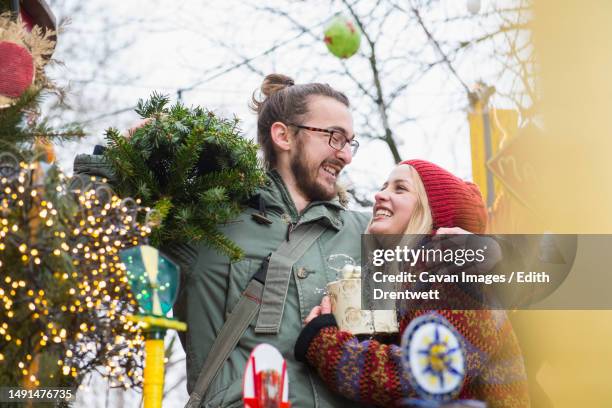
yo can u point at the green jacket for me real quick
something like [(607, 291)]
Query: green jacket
[(211, 286)]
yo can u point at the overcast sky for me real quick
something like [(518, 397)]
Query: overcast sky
[(194, 45)]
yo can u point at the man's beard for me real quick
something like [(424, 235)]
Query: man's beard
[(306, 179)]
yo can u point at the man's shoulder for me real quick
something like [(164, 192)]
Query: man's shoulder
[(358, 218), (357, 214)]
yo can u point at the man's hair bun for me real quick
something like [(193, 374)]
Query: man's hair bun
[(272, 84)]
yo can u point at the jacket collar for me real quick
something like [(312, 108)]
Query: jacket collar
[(276, 198)]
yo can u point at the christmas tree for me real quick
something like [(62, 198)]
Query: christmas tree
[(64, 295)]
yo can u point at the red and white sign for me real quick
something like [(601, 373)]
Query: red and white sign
[(266, 383)]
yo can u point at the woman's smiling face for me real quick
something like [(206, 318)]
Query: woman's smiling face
[(395, 203)]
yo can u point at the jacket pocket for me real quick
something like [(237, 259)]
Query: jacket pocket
[(230, 397), (240, 274)]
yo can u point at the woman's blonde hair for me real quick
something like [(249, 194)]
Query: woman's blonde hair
[(420, 222)]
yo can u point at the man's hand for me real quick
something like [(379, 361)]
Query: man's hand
[(324, 308)]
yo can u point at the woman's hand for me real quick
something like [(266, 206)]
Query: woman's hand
[(458, 238), (451, 231), (324, 308)]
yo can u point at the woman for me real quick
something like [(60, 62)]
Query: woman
[(419, 198)]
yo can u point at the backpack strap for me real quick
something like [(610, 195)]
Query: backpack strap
[(279, 275), (270, 298)]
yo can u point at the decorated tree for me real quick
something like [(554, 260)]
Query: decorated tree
[(64, 295)]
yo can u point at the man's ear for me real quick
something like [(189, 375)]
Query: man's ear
[(280, 136)]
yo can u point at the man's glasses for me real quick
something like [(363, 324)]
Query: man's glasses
[(337, 138)]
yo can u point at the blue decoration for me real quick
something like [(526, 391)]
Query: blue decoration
[(153, 278), (433, 355)]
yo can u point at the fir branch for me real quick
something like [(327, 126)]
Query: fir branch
[(190, 165), (153, 106)]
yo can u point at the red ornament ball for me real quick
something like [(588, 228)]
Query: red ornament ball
[(16, 69)]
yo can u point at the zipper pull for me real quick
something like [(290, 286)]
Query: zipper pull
[(260, 217), (290, 229)]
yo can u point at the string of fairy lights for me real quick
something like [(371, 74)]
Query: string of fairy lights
[(64, 294)]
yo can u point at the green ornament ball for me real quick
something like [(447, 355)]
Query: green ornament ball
[(342, 37)]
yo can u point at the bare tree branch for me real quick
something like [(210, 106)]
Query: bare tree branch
[(445, 58), (380, 100)]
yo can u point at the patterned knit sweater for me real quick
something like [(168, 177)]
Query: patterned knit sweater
[(370, 372)]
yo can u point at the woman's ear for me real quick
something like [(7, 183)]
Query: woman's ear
[(280, 136)]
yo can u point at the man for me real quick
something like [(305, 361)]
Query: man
[(306, 134)]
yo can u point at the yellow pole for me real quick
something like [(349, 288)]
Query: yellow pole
[(154, 373), (155, 328), (482, 145)]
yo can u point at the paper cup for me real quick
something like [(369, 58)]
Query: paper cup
[(345, 295)]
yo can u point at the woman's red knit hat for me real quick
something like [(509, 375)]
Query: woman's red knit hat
[(453, 202)]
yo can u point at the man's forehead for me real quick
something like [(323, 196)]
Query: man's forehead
[(331, 111)]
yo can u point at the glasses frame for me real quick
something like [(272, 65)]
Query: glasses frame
[(354, 144)]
